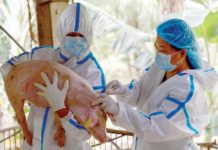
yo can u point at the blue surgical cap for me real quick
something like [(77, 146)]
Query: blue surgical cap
[(179, 34)]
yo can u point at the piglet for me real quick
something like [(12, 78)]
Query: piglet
[(19, 86)]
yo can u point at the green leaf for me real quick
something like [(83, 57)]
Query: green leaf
[(200, 1), (209, 28)]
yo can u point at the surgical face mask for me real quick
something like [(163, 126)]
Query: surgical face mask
[(75, 45), (163, 61)]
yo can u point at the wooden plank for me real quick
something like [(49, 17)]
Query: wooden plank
[(122, 132), (48, 12), (42, 1), (44, 24), (49, 1)]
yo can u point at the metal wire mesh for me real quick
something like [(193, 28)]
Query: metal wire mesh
[(117, 140), (12, 139)]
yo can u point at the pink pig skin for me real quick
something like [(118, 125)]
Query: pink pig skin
[(19, 87)]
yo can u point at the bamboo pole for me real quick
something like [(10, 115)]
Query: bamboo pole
[(122, 132), (10, 36)]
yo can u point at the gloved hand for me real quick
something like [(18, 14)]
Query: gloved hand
[(107, 104), (54, 96), (115, 88)]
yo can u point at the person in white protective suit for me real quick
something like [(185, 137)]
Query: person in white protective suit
[(75, 33), (169, 97)]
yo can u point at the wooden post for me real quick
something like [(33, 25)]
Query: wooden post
[(48, 11), (44, 23)]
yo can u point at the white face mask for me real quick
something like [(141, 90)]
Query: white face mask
[(75, 45), (163, 61)]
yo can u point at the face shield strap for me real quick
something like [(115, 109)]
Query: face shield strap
[(76, 28)]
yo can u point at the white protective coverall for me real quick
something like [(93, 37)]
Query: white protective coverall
[(170, 113), (75, 18)]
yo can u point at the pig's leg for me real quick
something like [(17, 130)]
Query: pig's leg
[(60, 132), (18, 104)]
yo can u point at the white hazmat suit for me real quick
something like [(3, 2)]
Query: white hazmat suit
[(170, 113), (75, 18)]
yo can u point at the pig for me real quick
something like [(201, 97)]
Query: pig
[(19, 86)]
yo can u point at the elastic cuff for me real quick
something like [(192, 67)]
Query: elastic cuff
[(67, 117), (62, 112)]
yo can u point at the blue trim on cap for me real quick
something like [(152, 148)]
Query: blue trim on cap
[(45, 118), (76, 28)]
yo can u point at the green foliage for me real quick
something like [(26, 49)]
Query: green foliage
[(4, 43), (209, 28), (4, 47), (200, 1), (26, 109)]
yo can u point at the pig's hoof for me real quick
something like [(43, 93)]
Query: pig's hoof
[(29, 138), (60, 137)]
